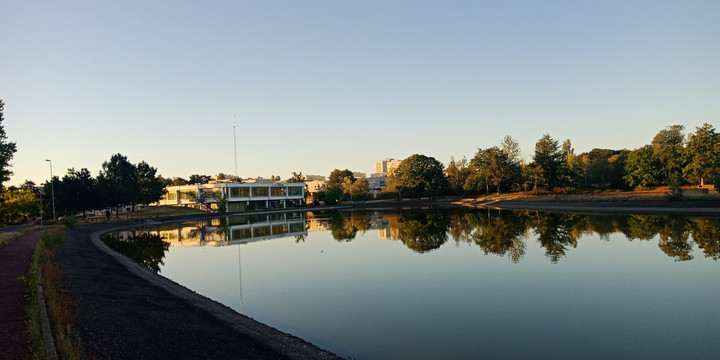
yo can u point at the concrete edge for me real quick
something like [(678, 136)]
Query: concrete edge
[(45, 322), (286, 344)]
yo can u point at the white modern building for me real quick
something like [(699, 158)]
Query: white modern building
[(240, 196)]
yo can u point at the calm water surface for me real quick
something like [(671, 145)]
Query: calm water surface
[(459, 284)]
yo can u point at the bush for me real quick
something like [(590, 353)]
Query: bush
[(70, 221)]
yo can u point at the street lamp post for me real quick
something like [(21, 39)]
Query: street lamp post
[(52, 189)]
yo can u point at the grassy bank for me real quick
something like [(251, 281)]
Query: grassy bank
[(45, 271)]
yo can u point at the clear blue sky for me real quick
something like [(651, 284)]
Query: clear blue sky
[(319, 85)]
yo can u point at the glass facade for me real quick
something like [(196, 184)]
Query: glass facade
[(260, 191), (188, 195), (277, 191), (295, 191), (239, 192)]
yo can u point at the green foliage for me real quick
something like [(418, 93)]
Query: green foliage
[(337, 177), (7, 149), (295, 178), (547, 160), (702, 155), (668, 148), (18, 205), (676, 193), (118, 182), (420, 175), (642, 169), (456, 174), (360, 188), (332, 195), (70, 221), (151, 185), (199, 179)]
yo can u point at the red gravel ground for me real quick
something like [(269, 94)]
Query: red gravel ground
[(15, 259)]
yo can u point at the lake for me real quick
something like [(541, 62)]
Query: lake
[(458, 283)]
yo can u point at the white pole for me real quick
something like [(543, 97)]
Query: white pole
[(235, 145)]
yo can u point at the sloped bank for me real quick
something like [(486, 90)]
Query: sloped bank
[(125, 311)]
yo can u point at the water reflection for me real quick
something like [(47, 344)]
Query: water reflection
[(504, 233), (144, 248), (501, 233)]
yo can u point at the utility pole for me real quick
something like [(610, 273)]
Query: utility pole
[(52, 189), (235, 145)]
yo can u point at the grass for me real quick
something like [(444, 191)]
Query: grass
[(61, 311)]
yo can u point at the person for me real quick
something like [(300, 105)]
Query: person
[(107, 214)]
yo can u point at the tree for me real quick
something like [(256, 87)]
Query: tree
[(295, 178), (19, 205), (7, 150), (198, 179), (548, 159), (492, 166), (359, 187), (668, 147), (176, 181), (511, 149), (642, 169), (76, 192), (457, 173), (420, 175), (118, 182), (703, 161), (337, 177), (151, 185)]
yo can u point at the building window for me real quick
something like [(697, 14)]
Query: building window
[(277, 191), (171, 195), (239, 192), (259, 191), (189, 195), (295, 191), (212, 194)]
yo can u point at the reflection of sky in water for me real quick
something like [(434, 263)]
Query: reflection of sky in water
[(374, 298)]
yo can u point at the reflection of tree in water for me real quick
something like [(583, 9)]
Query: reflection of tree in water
[(674, 239), (422, 231), (501, 233), (642, 227), (145, 249), (554, 233), (706, 233), (344, 226)]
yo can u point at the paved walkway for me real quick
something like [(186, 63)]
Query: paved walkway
[(15, 259)]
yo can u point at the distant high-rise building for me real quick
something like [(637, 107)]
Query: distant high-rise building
[(386, 166)]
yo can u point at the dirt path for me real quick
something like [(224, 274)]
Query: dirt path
[(15, 259)]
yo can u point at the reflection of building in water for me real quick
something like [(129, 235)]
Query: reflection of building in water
[(234, 229), (315, 223), (241, 196)]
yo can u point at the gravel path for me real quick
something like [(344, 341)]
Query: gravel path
[(15, 259), (127, 312)]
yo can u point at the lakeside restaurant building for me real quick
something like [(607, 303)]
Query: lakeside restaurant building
[(241, 196)]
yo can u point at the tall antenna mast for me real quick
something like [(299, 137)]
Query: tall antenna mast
[(235, 145)]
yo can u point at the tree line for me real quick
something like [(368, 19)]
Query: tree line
[(671, 159), (119, 183)]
